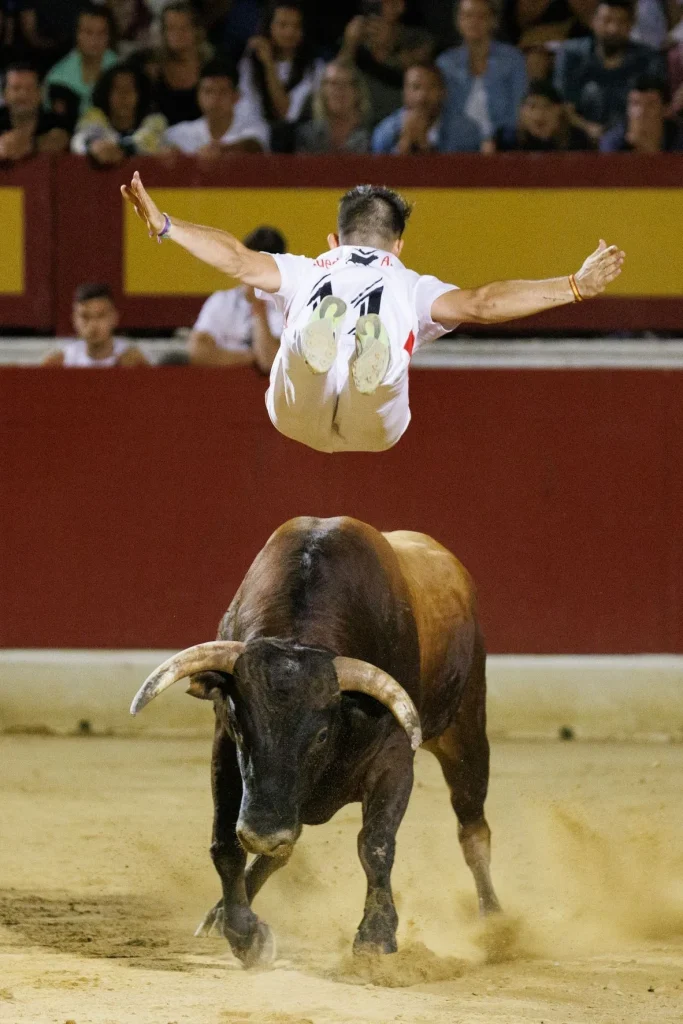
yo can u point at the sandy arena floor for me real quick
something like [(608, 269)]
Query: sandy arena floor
[(104, 872)]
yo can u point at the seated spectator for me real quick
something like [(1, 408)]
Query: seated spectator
[(646, 128), (278, 73), (81, 68), (341, 112), (486, 80), (132, 21), (653, 20), (119, 123), (227, 124), (47, 28), (423, 125), (183, 53), (234, 328), (25, 126), (543, 21), (383, 47), (543, 124), (95, 319), (595, 74), (675, 59)]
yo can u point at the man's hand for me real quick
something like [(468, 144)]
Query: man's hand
[(144, 206), (262, 49), (106, 151), (599, 270), (15, 144)]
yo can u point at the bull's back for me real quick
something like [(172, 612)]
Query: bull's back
[(333, 583), (443, 598)]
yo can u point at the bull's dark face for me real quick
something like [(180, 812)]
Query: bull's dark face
[(284, 714)]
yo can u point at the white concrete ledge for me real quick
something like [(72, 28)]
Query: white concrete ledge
[(622, 697)]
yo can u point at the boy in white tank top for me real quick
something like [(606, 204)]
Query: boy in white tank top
[(355, 315), (95, 319)]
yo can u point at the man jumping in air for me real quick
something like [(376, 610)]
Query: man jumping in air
[(354, 315)]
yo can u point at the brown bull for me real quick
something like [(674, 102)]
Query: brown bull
[(343, 650)]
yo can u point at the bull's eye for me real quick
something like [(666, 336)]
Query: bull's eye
[(321, 737)]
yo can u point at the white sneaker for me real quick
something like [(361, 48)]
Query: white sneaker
[(370, 365), (320, 335)]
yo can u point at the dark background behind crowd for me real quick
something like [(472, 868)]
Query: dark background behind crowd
[(214, 77)]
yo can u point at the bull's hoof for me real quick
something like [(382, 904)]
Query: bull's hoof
[(255, 949), (370, 947)]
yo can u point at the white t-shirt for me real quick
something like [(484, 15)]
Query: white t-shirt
[(297, 96), (227, 317), (191, 136), (76, 354), (369, 281)]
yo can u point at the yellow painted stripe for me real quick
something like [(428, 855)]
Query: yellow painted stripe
[(11, 241), (465, 236)]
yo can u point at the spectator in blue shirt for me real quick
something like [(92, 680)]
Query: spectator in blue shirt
[(646, 128), (425, 124), (595, 74), (486, 80)]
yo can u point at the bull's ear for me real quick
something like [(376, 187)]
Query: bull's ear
[(203, 685)]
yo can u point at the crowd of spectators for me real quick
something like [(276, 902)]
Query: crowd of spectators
[(114, 78)]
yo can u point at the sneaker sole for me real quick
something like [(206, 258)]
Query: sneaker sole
[(370, 365), (319, 336)]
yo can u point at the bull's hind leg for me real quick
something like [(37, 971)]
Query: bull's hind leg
[(250, 939), (463, 753)]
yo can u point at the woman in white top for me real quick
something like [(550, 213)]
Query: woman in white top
[(278, 73)]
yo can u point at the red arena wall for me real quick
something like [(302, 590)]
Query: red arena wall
[(132, 502)]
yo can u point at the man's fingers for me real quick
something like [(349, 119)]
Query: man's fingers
[(602, 244)]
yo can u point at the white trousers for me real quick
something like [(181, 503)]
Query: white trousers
[(326, 411)]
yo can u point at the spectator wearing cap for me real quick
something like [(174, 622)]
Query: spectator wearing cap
[(341, 114), (183, 54), (278, 72), (382, 47), (227, 124), (120, 122), (595, 74), (91, 56), (235, 327), (543, 125), (95, 319), (424, 124), (25, 126), (646, 128), (486, 80)]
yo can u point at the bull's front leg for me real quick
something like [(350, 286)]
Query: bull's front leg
[(388, 787), (251, 940)]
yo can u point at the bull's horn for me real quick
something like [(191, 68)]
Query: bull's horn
[(366, 678), (216, 656)]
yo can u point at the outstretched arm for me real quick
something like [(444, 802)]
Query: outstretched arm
[(507, 300), (218, 248)]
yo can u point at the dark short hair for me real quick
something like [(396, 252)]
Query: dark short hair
[(266, 239), (182, 7), (23, 67), (98, 11), (220, 68), (627, 5), (427, 65), (93, 290), (651, 83), (546, 89), (369, 212)]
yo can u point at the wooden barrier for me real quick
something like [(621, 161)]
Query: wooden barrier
[(133, 502), (476, 218)]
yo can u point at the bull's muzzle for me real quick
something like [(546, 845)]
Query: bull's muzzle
[(272, 844)]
